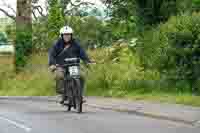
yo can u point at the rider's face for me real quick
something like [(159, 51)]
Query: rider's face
[(67, 37)]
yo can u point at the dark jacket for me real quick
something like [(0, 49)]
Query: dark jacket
[(56, 56)]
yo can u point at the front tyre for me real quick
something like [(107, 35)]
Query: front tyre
[(69, 106), (78, 95)]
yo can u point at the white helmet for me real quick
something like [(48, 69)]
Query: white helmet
[(66, 30)]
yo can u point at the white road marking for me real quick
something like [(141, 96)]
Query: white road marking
[(27, 129)]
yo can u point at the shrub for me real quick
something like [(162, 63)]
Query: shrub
[(173, 48)]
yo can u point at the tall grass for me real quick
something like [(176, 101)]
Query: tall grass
[(35, 80), (119, 78), (107, 78)]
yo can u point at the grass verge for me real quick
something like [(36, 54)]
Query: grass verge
[(106, 79)]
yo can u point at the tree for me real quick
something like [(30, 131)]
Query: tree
[(173, 48), (36, 8), (69, 7), (55, 20), (23, 42), (146, 12), (196, 5), (58, 9)]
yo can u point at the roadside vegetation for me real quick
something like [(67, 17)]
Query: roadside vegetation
[(138, 57)]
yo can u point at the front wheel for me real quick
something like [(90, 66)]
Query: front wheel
[(69, 107), (79, 104), (78, 96), (68, 93)]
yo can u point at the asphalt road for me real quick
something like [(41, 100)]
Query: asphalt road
[(18, 116)]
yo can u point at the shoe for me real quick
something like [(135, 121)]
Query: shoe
[(83, 100), (66, 102), (62, 101), (58, 97)]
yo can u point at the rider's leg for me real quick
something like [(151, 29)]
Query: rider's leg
[(59, 86), (59, 77)]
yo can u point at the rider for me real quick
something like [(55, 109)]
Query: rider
[(66, 46)]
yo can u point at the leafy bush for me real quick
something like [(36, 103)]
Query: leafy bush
[(23, 48), (173, 48), (91, 31), (3, 39), (196, 5), (96, 35), (41, 40), (119, 72), (11, 31), (22, 40), (55, 21)]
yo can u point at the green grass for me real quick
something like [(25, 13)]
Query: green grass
[(183, 98), (28, 84), (129, 81), (156, 97), (107, 79), (34, 81)]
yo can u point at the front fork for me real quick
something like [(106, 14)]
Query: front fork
[(70, 92)]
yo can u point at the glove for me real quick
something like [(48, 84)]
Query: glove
[(52, 68)]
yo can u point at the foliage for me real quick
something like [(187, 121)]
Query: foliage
[(175, 48), (23, 48), (55, 21), (97, 33), (41, 40), (167, 28), (11, 31), (146, 13), (186, 41), (143, 12), (123, 18), (39, 82), (3, 39), (196, 5)]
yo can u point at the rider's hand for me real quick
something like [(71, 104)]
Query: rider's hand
[(52, 67), (92, 63)]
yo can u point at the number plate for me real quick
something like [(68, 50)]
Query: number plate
[(74, 71)]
